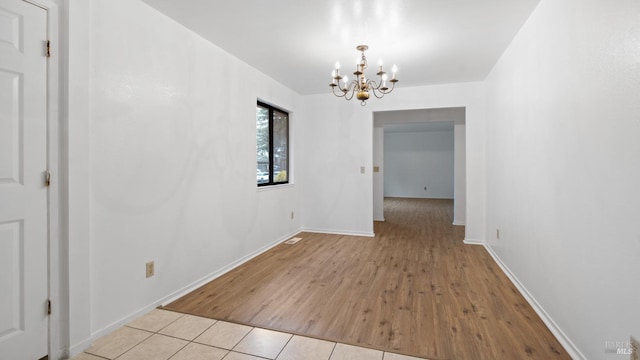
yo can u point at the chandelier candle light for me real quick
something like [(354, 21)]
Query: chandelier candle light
[(361, 85)]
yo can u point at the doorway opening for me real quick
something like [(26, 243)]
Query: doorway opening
[(412, 173)]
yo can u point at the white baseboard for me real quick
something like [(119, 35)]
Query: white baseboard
[(216, 274), (473, 241), (553, 327), (381, 219), (81, 346), (339, 232), (420, 197), (459, 223), (78, 348)]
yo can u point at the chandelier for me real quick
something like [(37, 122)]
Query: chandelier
[(361, 86)]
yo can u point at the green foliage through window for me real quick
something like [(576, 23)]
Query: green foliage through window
[(272, 145)]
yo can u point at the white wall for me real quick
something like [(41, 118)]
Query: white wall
[(337, 140), (563, 119), (378, 177), (77, 169), (170, 166), (338, 137), (418, 160), (460, 175)]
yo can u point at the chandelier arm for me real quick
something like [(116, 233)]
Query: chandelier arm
[(375, 88), (375, 93), (393, 86), (340, 94), (378, 86), (374, 85), (351, 89)]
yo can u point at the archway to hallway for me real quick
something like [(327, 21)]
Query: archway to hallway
[(444, 129)]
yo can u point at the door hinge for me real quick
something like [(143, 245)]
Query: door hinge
[(48, 48), (48, 306), (47, 177)]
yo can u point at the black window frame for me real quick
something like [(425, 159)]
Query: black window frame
[(271, 110)]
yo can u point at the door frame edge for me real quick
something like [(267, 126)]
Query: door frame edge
[(57, 327)]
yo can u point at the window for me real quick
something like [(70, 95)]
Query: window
[(272, 145)]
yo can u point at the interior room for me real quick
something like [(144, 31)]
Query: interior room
[(147, 154)]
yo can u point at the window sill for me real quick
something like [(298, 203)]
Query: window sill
[(274, 187)]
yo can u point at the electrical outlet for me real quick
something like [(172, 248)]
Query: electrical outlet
[(498, 234), (361, 169), (150, 269), (292, 215), (635, 347), (425, 188)]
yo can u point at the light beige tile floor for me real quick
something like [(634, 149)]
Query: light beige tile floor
[(167, 335)]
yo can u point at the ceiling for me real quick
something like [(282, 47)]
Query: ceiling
[(297, 42)]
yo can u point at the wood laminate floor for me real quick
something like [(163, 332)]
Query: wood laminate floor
[(414, 288)]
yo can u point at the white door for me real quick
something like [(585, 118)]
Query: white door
[(23, 192)]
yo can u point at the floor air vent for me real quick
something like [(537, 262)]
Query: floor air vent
[(293, 240)]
